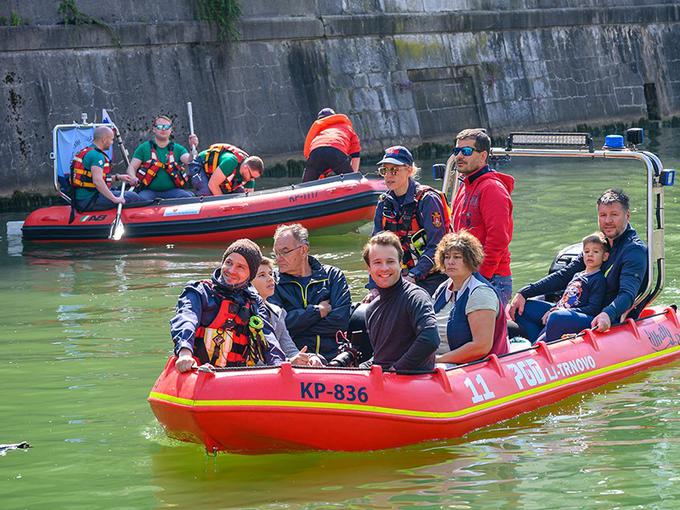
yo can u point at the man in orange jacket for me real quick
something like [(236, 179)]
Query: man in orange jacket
[(331, 146)]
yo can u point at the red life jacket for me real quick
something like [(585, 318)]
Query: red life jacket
[(229, 340), (212, 161), (82, 177), (408, 222), (148, 170)]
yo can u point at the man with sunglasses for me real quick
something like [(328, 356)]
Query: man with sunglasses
[(315, 296), (224, 168), (159, 163), (483, 206)]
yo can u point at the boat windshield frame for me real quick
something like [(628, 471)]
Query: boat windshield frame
[(656, 271), (54, 155)]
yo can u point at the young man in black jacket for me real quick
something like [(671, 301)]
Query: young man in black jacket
[(401, 323)]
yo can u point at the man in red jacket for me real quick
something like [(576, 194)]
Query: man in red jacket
[(331, 146), (483, 206)]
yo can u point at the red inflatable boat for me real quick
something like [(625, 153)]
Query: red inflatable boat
[(260, 410), (275, 409), (325, 203)]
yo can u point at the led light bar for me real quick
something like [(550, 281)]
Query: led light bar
[(577, 140)]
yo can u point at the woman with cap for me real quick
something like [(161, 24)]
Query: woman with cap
[(417, 214), (220, 321), (331, 146)]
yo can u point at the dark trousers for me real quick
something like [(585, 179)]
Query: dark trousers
[(322, 160), (102, 203), (560, 322)]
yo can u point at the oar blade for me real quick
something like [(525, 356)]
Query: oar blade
[(117, 230)]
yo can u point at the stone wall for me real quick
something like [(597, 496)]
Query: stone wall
[(405, 71)]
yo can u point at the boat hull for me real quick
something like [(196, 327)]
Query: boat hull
[(264, 410), (330, 202)]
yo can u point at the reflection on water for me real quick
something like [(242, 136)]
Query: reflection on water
[(85, 333)]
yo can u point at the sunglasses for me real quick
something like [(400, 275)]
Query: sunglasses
[(383, 171), (467, 151), (163, 127)]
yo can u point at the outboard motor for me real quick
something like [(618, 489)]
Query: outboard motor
[(563, 258)]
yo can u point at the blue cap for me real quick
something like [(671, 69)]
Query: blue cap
[(326, 112), (613, 142), (397, 155)]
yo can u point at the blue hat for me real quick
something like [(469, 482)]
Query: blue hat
[(326, 112), (397, 155)]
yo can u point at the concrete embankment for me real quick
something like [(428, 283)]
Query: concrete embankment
[(406, 72)]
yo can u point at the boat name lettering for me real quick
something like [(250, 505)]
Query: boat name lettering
[(527, 372), (662, 338), (345, 392), (307, 195), (575, 366)]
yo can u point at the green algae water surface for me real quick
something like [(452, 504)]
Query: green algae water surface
[(84, 334)]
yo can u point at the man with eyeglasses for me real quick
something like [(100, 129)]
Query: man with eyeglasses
[(224, 168), (483, 206), (315, 296), (159, 163)]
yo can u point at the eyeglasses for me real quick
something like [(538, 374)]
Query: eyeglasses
[(254, 174), (467, 151), (284, 254), (383, 171), (163, 127)]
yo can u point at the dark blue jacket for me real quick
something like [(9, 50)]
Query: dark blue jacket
[(429, 207), (198, 306), (303, 320), (625, 271), (585, 293)]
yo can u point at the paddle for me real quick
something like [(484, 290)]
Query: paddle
[(451, 177), (117, 227), (190, 112)]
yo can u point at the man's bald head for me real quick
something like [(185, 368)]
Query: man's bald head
[(103, 137), (101, 132)]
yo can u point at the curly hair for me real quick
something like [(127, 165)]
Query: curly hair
[(462, 242)]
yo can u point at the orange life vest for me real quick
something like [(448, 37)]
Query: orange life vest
[(212, 161), (232, 338), (408, 222), (82, 177), (148, 170), (320, 125)]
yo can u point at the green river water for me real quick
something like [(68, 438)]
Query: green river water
[(85, 333)]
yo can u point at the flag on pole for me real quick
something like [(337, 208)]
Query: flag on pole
[(107, 120)]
